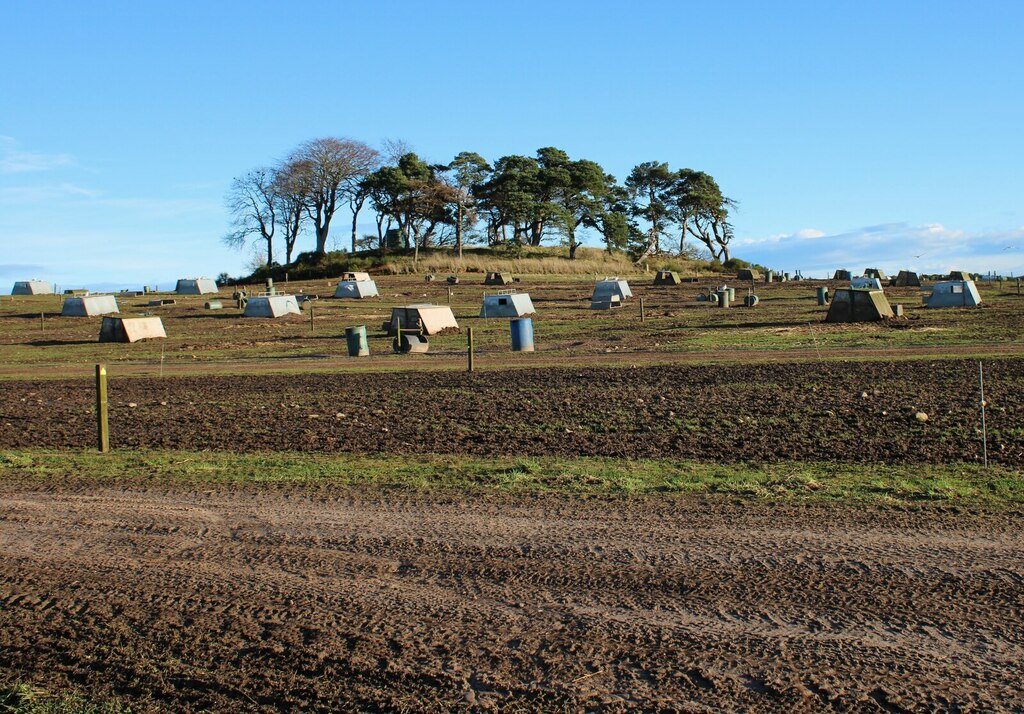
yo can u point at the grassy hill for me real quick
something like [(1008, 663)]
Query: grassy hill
[(526, 261)]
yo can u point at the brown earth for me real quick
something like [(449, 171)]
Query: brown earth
[(835, 411), (294, 598)]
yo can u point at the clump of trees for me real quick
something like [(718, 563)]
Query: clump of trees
[(516, 201)]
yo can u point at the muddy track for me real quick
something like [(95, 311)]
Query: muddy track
[(852, 412), (280, 598)]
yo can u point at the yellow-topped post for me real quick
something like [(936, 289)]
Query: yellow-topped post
[(102, 421)]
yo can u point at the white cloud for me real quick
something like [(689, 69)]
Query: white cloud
[(928, 248), (809, 233), (14, 160)]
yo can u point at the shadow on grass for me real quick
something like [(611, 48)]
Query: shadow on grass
[(61, 343), (214, 315), (751, 325)]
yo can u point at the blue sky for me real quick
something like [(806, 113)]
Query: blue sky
[(851, 133)]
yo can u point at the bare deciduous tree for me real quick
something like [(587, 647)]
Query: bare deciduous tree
[(328, 170), (291, 206), (253, 203)]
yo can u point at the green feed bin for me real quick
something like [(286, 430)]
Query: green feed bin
[(355, 339)]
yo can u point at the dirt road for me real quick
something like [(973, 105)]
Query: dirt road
[(285, 598)]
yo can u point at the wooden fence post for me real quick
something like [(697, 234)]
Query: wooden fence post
[(102, 421), (469, 332)]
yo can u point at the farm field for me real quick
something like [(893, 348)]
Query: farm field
[(711, 509), (786, 324)]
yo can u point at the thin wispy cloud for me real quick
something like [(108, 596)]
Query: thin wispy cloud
[(161, 207), (20, 269), (25, 195), (15, 160)]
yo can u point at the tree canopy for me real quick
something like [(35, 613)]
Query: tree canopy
[(516, 200)]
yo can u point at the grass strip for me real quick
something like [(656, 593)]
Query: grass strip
[(24, 699), (946, 484)]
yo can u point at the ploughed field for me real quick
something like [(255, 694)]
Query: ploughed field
[(257, 598), (831, 411)]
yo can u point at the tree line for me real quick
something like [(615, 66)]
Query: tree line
[(517, 200)]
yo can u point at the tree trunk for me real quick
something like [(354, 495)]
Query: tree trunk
[(355, 217), (288, 253), (458, 228), (647, 251), (536, 231)]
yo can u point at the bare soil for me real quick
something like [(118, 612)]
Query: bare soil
[(837, 411), (292, 598)]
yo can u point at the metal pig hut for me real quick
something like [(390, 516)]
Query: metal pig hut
[(356, 288), (195, 286), (271, 306), (32, 287), (613, 286), (841, 275), (427, 318), (858, 305), (906, 279), (131, 329), (865, 281), (954, 293), (509, 304), (89, 306), (667, 277), (609, 293), (749, 275), (498, 279)]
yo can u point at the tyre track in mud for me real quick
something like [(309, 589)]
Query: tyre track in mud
[(263, 599), (850, 412)]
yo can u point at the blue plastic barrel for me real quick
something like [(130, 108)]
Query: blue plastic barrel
[(522, 334), (355, 338)]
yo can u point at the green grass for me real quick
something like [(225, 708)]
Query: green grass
[(788, 318), (23, 699), (967, 484)]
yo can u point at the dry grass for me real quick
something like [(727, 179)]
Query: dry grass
[(589, 261)]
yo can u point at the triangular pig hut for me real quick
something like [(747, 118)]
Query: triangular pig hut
[(954, 293), (32, 287), (423, 317), (89, 306), (131, 329), (195, 286), (507, 305), (854, 305), (906, 279)]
